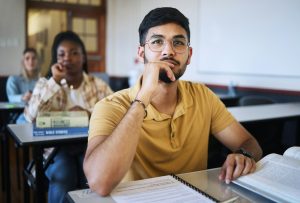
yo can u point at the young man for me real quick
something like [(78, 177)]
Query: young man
[(162, 125)]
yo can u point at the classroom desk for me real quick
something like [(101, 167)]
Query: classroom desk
[(266, 112), (8, 113), (206, 180), (22, 135)]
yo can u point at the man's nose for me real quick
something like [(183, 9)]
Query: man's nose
[(168, 49)]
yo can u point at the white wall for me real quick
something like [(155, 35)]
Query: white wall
[(124, 17), (12, 35), (260, 48)]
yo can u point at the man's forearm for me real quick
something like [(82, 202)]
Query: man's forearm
[(106, 165), (253, 148)]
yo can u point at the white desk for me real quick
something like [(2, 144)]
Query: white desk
[(266, 112), (206, 181), (22, 135)]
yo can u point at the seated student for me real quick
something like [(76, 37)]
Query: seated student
[(162, 125), (19, 87), (69, 88)]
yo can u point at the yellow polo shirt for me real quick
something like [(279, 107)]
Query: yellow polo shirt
[(168, 144)]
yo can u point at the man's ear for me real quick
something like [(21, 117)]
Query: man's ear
[(190, 56), (141, 54)]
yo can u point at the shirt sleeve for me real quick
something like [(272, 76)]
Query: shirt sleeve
[(106, 115), (221, 117), (12, 91), (40, 99)]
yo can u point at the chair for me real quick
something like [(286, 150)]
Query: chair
[(267, 133), (103, 76), (6, 118), (255, 100), (29, 172), (118, 83), (3, 95)]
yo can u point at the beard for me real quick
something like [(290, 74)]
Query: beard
[(163, 74)]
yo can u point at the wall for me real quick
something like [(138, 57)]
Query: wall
[(12, 35), (124, 16), (259, 49)]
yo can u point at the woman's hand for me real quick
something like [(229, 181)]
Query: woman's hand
[(26, 97), (58, 72)]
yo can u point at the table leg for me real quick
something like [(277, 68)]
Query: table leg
[(26, 191), (6, 172), (2, 161), (40, 193)]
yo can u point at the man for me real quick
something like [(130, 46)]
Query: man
[(162, 125)]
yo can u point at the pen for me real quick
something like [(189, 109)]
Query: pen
[(233, 199)]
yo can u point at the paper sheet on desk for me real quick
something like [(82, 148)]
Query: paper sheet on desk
[(161, 189)]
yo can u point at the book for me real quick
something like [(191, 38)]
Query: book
[(59, 131), (277, 177), (62, 119)]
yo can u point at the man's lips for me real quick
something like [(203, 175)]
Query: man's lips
[(174, 62)]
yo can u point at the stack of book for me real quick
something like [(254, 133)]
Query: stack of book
[(61, 123)]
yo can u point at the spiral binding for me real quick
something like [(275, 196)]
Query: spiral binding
[(194, 188)]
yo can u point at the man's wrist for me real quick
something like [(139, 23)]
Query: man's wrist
[(245, 153), (141, 103)]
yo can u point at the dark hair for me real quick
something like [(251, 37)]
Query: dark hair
[(29, 49), (161, 16), (67, 36)]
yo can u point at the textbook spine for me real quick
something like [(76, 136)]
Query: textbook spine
[(59, 131)]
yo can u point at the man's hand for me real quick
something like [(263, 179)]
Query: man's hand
[(150, 79), (235, 166), (58, 72)]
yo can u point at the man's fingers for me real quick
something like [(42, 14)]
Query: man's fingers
[(235, 166), (240, 161), (248, 166)]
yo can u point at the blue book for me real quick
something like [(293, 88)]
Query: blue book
[(60, 131)]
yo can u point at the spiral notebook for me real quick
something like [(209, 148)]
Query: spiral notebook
[(195, 188), (170, 188)]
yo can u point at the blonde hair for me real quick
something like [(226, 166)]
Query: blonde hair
[(36, 72)]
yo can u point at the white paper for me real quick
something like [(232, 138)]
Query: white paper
[(160, 189)]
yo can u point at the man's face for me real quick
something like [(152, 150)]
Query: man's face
[(169, 43)]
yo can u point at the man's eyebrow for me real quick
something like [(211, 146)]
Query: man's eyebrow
[(157, 36), (179, 36), (162, 36)]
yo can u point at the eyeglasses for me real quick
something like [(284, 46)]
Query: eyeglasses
[(179, 45)]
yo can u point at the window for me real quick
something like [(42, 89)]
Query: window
[(46, 18)]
